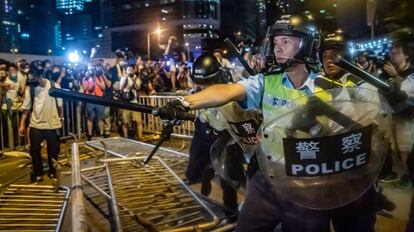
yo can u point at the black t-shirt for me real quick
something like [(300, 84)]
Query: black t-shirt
[(112, 76), (167, 81)]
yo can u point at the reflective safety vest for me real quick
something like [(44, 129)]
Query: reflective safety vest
[(276, 95), (278, 103)]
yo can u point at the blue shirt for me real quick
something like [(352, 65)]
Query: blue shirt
[(254, 86)]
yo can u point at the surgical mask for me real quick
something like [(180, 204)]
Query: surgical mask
[(13, 77)]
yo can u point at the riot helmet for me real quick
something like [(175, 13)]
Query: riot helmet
[(339, 41), (336, 43), (300, 26), (207, 70)]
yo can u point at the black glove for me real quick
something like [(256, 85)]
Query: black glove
[(170, 113)]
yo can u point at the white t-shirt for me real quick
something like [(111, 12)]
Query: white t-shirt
[(45, 113), (11, 95)]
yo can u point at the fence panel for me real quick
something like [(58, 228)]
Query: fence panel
[(153, 124)]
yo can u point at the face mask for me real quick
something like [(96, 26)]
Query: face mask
[(26, 70), (13, 76), (55, 76)]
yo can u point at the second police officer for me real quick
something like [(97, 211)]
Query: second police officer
[(207, 71), (294, 41)]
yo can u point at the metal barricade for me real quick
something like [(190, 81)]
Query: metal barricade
[(163, 202), (72, 119), (148, 197), (152, 123), (26, 207), (126, 148), (32, 208), (9, 127)]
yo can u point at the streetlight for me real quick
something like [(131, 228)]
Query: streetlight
[(238, 35), (14, 51), (158, 32), (50, 52)]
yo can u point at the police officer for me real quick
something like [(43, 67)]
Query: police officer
[(208, 71), (295, 41), (338, 43)]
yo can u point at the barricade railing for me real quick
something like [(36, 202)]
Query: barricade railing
[(74, 122), (9, 129), (10, 122), (152, 123), (72, 119)]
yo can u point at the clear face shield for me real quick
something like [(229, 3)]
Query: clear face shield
[(283, 60), (267, 51)]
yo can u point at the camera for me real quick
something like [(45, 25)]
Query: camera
[(99, 70), (381, 61)]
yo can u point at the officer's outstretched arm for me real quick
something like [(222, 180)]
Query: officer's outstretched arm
[(216, 95)]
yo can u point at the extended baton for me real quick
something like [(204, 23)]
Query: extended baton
[(75, 96)]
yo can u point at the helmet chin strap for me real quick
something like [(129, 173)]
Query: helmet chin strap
[(290, 61)]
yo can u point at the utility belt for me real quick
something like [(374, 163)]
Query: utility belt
[(208, 131)]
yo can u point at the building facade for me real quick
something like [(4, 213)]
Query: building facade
[(10, 28), (69, 6)]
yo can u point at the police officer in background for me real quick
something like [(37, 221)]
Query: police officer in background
[(294, 41), (338, 43), (207, 71)]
